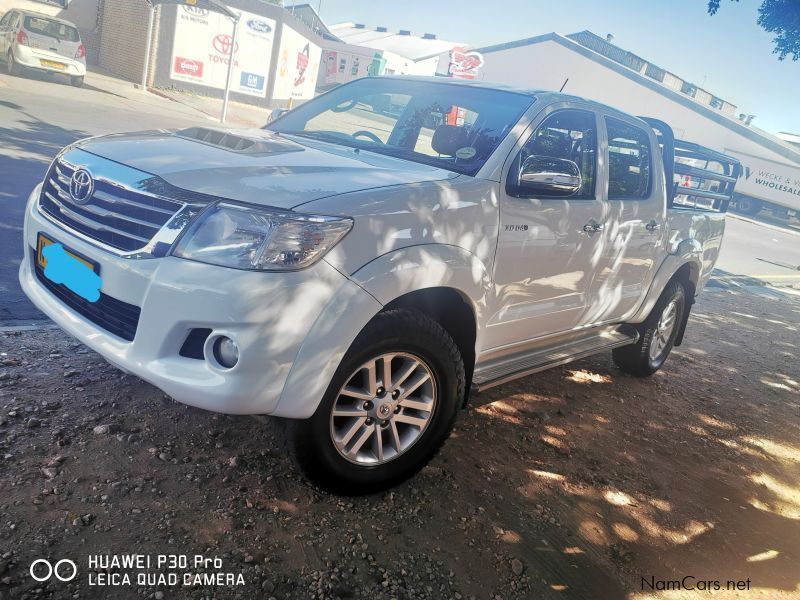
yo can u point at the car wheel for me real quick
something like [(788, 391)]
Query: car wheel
[(656, 335), (388, 409), (76, 81), (748, 206), (11, 65)]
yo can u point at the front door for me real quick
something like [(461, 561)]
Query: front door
[(547, 248), (633, 234)]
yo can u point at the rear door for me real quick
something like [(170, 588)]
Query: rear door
[(634, 222), (546, 249)]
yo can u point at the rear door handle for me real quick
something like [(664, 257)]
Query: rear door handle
[(593, 227), (653, 226)]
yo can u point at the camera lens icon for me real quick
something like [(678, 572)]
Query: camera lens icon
[(61, 570)]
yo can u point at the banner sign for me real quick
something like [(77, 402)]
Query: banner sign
[(298, 67), (202, 45), (464, 64)]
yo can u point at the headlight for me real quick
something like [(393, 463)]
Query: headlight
[(243, 237)]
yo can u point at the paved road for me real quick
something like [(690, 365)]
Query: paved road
[(40, 115), (767, 253)]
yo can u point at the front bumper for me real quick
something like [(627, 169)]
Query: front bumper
[(268, 315), (31, 58)]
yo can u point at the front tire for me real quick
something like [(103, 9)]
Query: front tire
[(388, 409), (656, 335)]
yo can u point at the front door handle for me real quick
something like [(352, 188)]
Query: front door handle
[(653, 226), (593, 227)]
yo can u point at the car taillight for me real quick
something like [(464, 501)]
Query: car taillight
[(22, 38), (81, 52)]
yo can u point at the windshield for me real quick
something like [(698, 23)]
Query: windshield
[(51, 28), (455, 127)]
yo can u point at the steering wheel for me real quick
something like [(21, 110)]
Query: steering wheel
[(367, 134), (345, 106)]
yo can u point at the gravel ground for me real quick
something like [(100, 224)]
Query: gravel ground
[(579, 482)]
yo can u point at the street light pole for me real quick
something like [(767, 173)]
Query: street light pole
[(231, 58)]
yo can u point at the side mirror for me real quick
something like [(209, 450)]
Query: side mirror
[(276, 113), (549, 176)]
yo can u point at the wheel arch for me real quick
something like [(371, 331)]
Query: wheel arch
[(454, 311)]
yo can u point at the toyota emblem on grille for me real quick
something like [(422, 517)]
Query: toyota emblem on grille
[(81, 186)]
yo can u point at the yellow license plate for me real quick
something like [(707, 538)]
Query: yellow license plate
[(53, 64), (42, 242)]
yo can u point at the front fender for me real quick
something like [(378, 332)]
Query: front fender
[(372, 287), (429, 266)]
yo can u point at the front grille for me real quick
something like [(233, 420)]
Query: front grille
[(116, 215), (115, 316)]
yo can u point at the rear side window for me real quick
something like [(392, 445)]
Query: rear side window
[(51, 28), (629, 161)]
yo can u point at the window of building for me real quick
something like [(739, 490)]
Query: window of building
[(716, 102), (569, 135), (629, 161), (689, 89), (653, 72)]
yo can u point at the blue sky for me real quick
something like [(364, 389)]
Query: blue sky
[(728, 54)]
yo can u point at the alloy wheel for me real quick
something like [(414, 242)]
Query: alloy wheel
[(664, 329), (383, 409)]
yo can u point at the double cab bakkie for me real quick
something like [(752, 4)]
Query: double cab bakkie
[(371, 258)]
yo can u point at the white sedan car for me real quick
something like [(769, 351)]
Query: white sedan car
[(37, 41)]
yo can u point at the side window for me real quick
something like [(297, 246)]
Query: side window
[(569, 135), (629, 161)]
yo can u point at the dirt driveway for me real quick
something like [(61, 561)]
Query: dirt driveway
[(577, 483)]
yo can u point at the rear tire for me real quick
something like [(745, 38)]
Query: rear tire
[(76, 80), (12, 66), (386, 415), (656, 335), (748, 206)]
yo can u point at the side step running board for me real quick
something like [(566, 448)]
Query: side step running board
[(507, 368)]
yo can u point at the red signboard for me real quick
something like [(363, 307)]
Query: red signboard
[(187, 66)]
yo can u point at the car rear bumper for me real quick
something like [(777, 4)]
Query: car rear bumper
[(31, 58), (268, 315)]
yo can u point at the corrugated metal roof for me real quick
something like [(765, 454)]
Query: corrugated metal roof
[(413, 47)]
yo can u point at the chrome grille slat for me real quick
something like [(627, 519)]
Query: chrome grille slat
[(96, 225), (106, 197), (108, 214), (127, 209)]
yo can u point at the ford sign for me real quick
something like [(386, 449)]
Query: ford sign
[(259, 25)]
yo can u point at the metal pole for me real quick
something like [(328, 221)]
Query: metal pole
[(230, 70), (147, 46)]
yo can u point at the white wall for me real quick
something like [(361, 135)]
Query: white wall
[(547, 64)]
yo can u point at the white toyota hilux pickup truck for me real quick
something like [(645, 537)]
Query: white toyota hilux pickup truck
[(367, 260)]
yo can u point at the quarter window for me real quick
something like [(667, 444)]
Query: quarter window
[(569, 135), (629, 161)]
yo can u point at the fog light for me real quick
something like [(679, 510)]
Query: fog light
[(226, 352)]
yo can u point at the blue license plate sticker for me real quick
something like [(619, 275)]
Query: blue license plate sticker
[(69, 271)]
